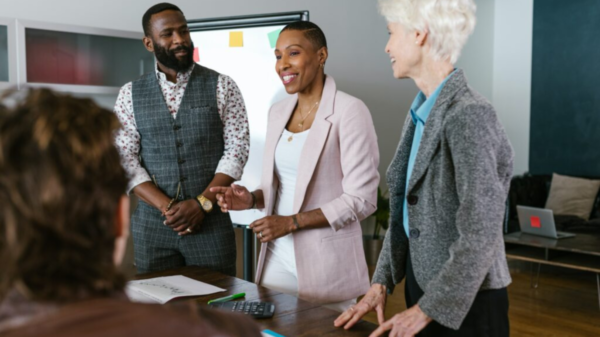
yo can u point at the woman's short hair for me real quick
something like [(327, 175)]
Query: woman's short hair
[(311, 31), (448, 22), (61, 180)]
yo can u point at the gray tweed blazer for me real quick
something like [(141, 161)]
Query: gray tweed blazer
[(456, 203)]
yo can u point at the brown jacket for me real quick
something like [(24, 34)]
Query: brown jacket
[(119, 317)]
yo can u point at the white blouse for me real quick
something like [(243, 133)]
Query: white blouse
[(287, 158)]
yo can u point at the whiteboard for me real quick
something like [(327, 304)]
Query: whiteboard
[(252, 67)]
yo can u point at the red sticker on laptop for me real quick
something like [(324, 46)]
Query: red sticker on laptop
[(535, 222)]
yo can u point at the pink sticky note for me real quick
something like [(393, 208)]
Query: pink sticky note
[(196, 55), (535, 222)]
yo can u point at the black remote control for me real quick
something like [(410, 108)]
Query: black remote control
[(253, 308)]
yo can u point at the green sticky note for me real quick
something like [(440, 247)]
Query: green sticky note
[(273, 37)]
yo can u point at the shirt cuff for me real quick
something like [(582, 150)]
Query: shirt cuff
[(137, 176), (385, 281), (231, 168), (338, 214)]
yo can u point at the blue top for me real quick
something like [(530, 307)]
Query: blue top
[(419, 111)]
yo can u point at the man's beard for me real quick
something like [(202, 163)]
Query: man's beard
[(168, 59)]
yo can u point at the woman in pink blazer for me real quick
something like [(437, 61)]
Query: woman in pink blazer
[(319, 180)]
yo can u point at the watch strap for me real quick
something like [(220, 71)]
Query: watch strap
[(296, 224)]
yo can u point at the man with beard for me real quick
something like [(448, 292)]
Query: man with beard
[(185, 129)]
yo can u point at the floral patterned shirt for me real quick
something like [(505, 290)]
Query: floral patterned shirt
[(232, 111)]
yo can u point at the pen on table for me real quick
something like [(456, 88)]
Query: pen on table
[(227, 298)]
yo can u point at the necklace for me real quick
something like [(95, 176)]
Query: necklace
[(301, 124)]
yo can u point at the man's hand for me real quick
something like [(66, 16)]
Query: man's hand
[(184, 216), (405, 324), (272, 227), (374, 300)]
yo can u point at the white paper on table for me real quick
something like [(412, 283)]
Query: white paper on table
[(164, 289)]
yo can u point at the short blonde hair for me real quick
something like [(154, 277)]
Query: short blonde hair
[(448, 22)]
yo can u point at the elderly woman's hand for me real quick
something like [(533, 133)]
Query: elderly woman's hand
[(272, 227), (374, 300), (405, 324)]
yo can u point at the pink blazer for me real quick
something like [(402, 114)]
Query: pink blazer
[(337, 173)]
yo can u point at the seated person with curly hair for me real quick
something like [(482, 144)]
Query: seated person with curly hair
[(64, 222)]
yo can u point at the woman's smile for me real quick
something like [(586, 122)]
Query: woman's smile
[(288, 78)]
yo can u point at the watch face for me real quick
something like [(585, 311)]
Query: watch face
[(205, 203)]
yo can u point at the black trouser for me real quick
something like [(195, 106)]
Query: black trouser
[(488, 316)]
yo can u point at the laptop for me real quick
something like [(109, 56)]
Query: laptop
[(539, 221)]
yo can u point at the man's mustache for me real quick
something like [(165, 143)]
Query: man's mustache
[(182, 48)]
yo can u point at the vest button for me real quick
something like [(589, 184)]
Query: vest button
[(414, 233), (412, 200), (179, 144), (181, 161), (176, 127), (182, 179)]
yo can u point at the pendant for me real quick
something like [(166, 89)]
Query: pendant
[(300, 125), (290, 138)]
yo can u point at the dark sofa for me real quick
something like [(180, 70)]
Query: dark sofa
[(532, 190)]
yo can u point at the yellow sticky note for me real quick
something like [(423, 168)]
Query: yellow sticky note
[(236, 39)]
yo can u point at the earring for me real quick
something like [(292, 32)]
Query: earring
[(322, 65)]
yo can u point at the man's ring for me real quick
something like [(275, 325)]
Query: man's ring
[(188, 230), (352, 309), (260, 235)]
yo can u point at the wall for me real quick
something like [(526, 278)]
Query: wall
[(3, 54), (565, 103), (513, 35), (477, 58), (356, 35)]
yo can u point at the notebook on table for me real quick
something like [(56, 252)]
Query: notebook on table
[(163, 289)]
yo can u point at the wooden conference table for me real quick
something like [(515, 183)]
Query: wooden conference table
[(293, 316)]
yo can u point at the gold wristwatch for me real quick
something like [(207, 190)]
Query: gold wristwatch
[(205, 203)]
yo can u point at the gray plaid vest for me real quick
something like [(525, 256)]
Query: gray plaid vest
[(185, 150)]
